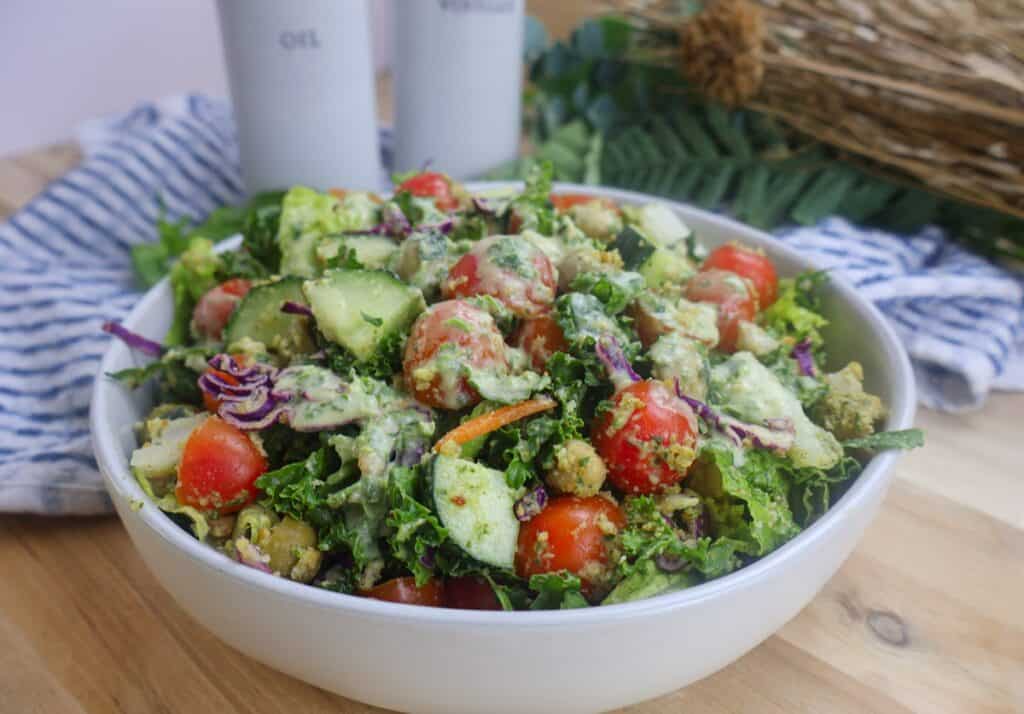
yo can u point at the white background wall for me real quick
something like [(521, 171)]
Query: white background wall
[(65, 61)]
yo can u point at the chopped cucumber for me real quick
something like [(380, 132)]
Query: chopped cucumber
[(259, 318), (658, 222), (373, 252), (361, 309), (475, 505)]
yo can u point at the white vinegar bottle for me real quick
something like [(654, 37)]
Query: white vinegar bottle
[(458, 84), (302, 86)]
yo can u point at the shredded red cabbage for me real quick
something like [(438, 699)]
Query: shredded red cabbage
[(804, 356), (296, 308), (620, 372), (444, 226), (133, 339), (246, 398), (531, 504), (774, 434)]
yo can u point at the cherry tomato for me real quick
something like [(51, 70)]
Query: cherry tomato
[(647, 439), (214, 308), (431, 183), (540, 337), (509, 269), (468, 336), (734, 297), (564, 201), (748, 263), (470, 593), (571, 533), (218, 468), (405, 590)]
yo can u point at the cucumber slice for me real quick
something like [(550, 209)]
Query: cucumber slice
[(259, 317), (159, 458), (373, 252), (361, 309), (659, 223), (475, 506)]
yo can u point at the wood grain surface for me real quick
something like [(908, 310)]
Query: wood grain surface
[(927, 615)]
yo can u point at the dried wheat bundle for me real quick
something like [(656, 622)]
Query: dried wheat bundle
[(933, 88)]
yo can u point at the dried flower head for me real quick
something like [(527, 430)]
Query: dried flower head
[(721, 51)]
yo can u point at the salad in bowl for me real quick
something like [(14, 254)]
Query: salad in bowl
[(514, 400)]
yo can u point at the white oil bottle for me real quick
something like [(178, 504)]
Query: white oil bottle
[(302, 86)]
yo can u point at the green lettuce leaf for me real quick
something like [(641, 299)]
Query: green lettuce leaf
[(796, 311), (885, 440), (194, 273)]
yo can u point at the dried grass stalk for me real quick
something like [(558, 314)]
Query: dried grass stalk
[(934, 88)]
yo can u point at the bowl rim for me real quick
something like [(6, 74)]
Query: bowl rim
[(122, 485)]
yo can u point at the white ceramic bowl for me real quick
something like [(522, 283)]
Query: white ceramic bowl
[(427, 659)]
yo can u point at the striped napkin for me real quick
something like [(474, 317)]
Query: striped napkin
[(65, 268)]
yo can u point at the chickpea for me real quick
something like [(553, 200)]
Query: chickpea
[(577, 470), (292, 550)]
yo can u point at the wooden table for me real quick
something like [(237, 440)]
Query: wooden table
[(927, 615)]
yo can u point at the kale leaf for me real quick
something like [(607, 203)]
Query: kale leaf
[(557, 591)]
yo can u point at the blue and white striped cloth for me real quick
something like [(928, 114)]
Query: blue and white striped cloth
[(65, 268)]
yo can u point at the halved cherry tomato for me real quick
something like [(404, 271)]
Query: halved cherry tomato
[(748, 263), (647, 438), (219, 467), (211, 403), (540, 337), (734, 296), (214, 308), (572, 534), (405, 590), (470, 593), (468, 335), (564, 201), (432, 183), (509, 269)]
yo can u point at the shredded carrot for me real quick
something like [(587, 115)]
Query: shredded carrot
[(492, 421)]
